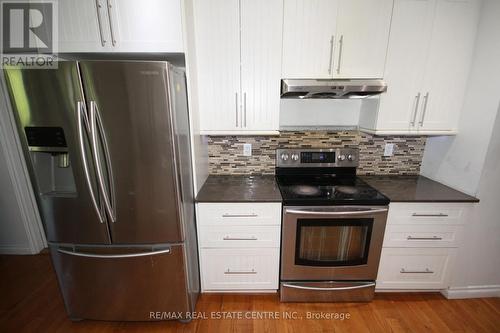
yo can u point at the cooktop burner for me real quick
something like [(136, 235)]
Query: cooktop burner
[(310, 177)]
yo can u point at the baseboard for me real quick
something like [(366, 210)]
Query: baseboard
[(15, 250), (471, 292)]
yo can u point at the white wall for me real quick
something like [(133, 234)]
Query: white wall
[(471, 162), (199, 142), (458, 161)]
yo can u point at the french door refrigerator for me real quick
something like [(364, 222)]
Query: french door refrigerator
[(108, 150)]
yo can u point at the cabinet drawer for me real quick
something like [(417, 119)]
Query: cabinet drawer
[(427, 213), (239, 269), (223, 214), (414, 268), (413, 235), (239, 236)]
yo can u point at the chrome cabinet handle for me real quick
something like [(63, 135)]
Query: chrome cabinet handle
[(245, 109), (341, 46), (426, 99), (99, 21), (427, 271), (415, 110), (429, 215), (114, 256), (240, 215), (82, 117), (236, 107), (367, 285), (109, 198), (229, 272), (238, 238), (113, 39), (424, 238), (330, 62)]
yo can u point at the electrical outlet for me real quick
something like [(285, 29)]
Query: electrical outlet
[(389, 149), (247, 149)]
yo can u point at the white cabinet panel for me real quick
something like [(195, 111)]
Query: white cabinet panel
[(79, 22), (217, 41), (418, 235), (410, 33), (362, 37), (448, 62), (225, 214), (308, 38), (146, 26), (428, 213), (261, 34), (410, 268), (239, 236), (239, 269)]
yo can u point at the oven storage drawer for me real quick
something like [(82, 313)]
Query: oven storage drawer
[(411, 235), (224, 214), (239, 269), (415, 268), (239, 236), (427, 213), (327, 291)]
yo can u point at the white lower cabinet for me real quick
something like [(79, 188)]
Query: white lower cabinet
[(420, 245), (239, 245)]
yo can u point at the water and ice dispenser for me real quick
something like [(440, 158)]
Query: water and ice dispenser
[(51, 161)]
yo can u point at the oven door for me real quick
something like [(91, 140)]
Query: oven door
[(332, 243)]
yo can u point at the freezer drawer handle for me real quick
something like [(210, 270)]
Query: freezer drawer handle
[(424, 238), (367, 285), (240, 215), (427, 271), (228, 271), (114, 256), (239, 238)]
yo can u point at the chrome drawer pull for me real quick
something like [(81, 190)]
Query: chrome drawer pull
[(430, 215), (427, 271), (228, 271), (240, 215), (238, 238), (424, 238)]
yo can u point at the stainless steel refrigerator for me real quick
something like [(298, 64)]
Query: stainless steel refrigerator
[(108, 149)]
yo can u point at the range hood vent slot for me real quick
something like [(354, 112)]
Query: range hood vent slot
[(331, 89)]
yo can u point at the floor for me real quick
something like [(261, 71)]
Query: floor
[(30, 302)]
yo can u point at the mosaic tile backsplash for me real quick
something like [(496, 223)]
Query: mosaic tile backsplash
[(226, 152)]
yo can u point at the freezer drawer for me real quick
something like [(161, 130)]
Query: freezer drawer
[(121, 283)]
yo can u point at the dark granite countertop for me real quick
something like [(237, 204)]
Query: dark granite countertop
[(239, 189), (416, 189)]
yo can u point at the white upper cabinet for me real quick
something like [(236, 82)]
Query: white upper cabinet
[(217, 43), (308, 38), (238, 52), (362, 36), (336, 38), (428, 60), (120, 26)]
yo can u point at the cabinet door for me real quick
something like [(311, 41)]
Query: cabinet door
[(308, 38), (361, 39), (261, 33), (410, 33), (217, 37), (145, 26), (83, 26), (449, 58)]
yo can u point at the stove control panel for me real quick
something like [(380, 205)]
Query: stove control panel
[(321, 157)]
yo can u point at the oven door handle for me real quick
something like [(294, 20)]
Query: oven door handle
[(336, 213), (366, 285)]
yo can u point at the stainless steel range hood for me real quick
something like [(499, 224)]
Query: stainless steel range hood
[(334, 88)]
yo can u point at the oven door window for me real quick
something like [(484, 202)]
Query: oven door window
[(333, 242)]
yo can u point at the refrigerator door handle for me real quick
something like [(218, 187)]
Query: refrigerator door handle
[(114, 256), (109, 197), (83, 120)]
